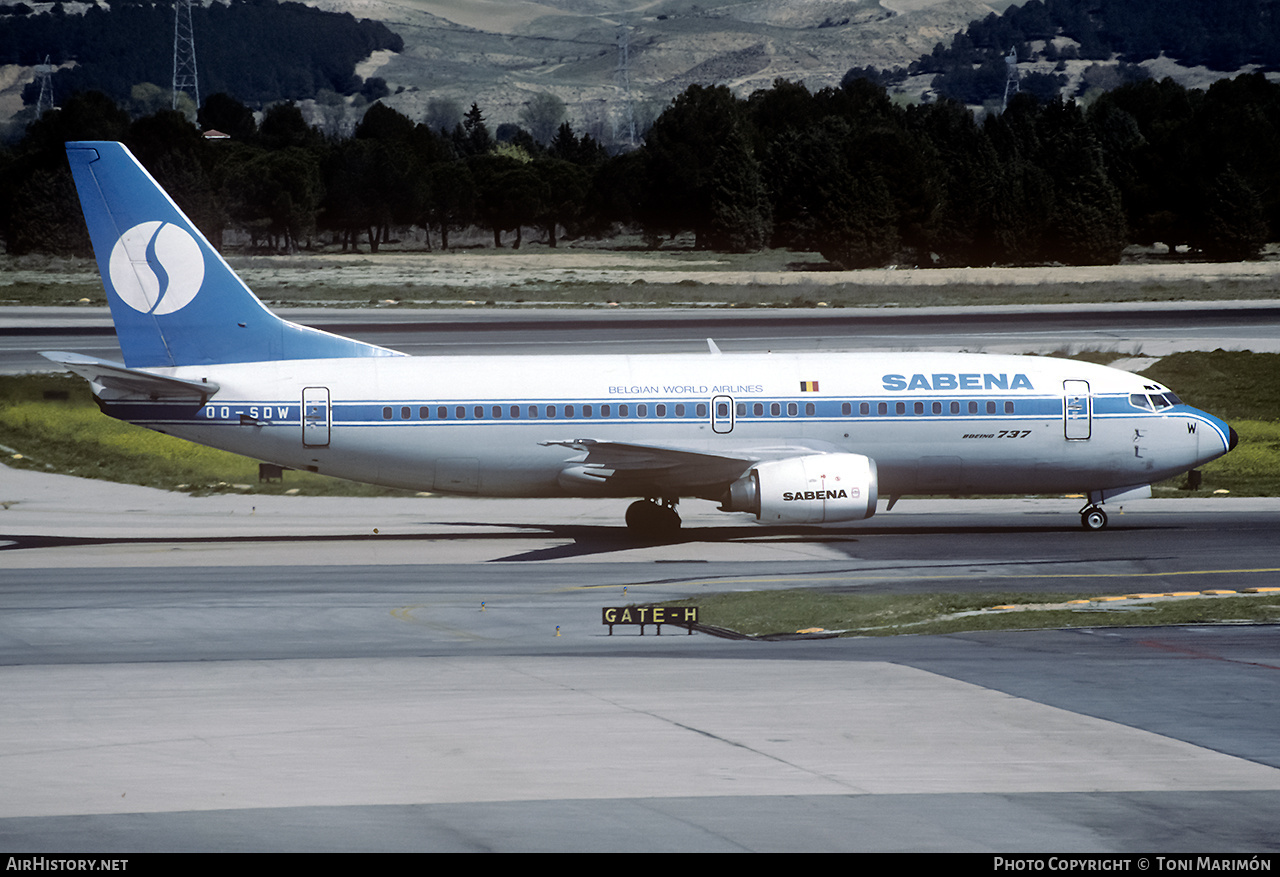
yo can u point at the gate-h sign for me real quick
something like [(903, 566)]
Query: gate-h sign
[(684, 616)]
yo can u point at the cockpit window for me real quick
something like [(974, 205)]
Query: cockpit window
[(1153, 401)]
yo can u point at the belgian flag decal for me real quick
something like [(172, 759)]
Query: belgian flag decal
[(808, 386)]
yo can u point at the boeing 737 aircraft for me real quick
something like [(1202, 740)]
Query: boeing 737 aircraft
[(789, 438)]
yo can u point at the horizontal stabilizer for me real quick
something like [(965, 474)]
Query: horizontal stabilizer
[(119, 377)]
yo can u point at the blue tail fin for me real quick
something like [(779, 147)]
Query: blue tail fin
[(173, 299)]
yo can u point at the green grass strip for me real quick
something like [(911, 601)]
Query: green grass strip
[(765, 613)]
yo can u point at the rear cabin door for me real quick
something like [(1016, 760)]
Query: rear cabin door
[(315, 417)]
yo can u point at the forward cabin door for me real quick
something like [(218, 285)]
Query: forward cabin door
[(1077, 410)]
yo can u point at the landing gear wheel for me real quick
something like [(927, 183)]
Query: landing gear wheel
[(649, 519), (1093, 519), (640, 515)]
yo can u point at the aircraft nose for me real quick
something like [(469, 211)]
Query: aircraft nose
[(1234, 438)]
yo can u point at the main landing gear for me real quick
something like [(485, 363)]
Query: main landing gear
[(652, 519), (1092, 517)]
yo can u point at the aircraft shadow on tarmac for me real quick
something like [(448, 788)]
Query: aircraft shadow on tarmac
[(580, 540)]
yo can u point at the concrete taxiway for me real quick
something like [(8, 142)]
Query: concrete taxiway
[(1146, 328), (270, 673)]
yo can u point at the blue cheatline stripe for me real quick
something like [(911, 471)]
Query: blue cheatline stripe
[(370, 413), (827, 410)]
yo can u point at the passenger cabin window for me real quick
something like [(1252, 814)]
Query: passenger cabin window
[(810, 409), (386, 413)]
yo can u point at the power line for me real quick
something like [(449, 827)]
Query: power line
[(622, 80), (1010, 76), (44, 73)]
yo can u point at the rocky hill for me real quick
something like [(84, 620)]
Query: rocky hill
[(502, 53), (499, 53)]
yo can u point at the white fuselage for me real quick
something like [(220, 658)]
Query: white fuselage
[(932, 422)]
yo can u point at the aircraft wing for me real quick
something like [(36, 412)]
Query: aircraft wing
[(117, 376), (636, 468)]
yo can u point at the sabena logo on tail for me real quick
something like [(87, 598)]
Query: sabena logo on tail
[(156, 268)]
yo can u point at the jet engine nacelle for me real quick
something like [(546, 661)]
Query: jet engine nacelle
[(813, 489)]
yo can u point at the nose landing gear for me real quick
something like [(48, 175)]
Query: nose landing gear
[(1092, 517)]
